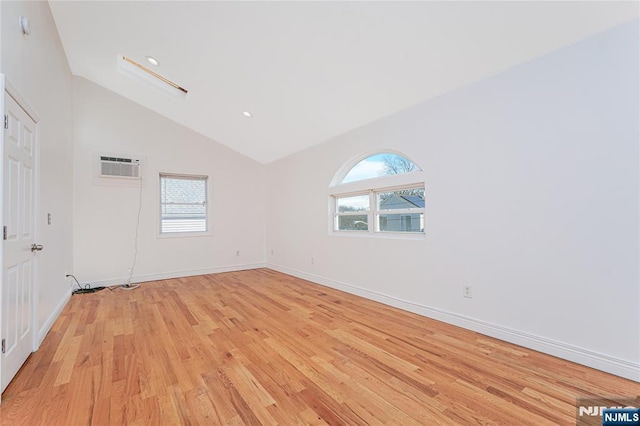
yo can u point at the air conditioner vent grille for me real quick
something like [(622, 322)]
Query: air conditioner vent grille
[(119, 167)]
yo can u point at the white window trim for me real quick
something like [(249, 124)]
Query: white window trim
[(372, 187), (170, 235)]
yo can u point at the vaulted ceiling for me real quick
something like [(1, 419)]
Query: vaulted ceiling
[(308, 71)]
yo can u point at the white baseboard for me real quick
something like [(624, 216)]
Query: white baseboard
[(170, 275), (618, 367), (42, 333)]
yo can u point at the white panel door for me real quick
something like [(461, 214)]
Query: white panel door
[(19, 255)]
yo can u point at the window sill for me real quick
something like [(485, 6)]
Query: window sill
[(183, 235), (421, 236)]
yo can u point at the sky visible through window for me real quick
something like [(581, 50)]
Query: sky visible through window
[(380, 165)]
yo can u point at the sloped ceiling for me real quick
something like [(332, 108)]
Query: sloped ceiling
[(308, 71)]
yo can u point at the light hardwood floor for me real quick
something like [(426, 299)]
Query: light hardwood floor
[(260, 347)]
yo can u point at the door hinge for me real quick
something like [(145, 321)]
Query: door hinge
[(6, 121), (4, 232), (4, 344)]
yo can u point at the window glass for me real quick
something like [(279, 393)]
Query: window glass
[(413, 222), (183, 204), (380, 165), (404, 199), (353, 223), (358, 203)]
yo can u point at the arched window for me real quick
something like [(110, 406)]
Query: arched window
[(380, 194), (383, 164)]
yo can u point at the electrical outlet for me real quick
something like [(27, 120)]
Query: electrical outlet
[(466, 291)]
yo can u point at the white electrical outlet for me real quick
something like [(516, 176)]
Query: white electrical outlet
[(466, 291)]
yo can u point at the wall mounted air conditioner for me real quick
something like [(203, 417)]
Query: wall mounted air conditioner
[(119, 167)]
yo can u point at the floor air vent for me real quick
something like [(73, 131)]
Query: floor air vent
[(119, 167)]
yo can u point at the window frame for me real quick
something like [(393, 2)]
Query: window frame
[(373, 187), (183, 234)]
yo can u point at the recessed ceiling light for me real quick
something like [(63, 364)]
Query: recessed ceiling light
[(246, 114), (153, 61)]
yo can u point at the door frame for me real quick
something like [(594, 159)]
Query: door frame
[(9, 89)]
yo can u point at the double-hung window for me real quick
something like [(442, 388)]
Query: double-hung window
[(382, 194), (183, 204), (381, 210)]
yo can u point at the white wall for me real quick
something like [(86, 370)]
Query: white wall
[(532, 199), (105, 211), (37, 67), (532, 186)]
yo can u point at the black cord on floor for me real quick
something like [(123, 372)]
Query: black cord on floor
[(87, 288)]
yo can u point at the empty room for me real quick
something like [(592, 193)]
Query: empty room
[(333, 212)]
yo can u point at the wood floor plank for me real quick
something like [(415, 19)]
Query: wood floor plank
[(260, 347)]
